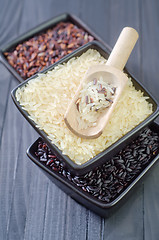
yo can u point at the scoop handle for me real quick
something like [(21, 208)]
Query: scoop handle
[(123, 48)]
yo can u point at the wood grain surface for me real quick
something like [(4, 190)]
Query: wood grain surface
[(31, 206)]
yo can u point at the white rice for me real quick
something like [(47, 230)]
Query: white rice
[(46, 99)]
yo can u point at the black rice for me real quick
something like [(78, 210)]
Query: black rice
[(109, 180)]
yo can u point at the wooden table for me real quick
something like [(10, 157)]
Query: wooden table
[(31, 206)]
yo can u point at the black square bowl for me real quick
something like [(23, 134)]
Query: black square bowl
[(114, 148), (42, 28), (81, 195)]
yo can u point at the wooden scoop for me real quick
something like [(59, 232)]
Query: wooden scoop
[(111, 73)]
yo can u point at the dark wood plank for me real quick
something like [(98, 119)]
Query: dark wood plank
[(97, 15), (10, 144), (65, 218), (10, 17), (5, 82), (20, 201), (39, 13), (127, 221), (95, 226), (151, 209), (36, 207), (150, 72), (150, 37), (8, 31), (126, 14), (55, 219)]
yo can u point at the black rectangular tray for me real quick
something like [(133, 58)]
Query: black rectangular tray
[(114, 148), (65, 17), (101, 208)]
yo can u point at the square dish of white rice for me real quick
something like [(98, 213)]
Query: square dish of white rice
[(47, 96)]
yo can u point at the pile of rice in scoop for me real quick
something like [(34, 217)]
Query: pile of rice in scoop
[(46, 99)]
